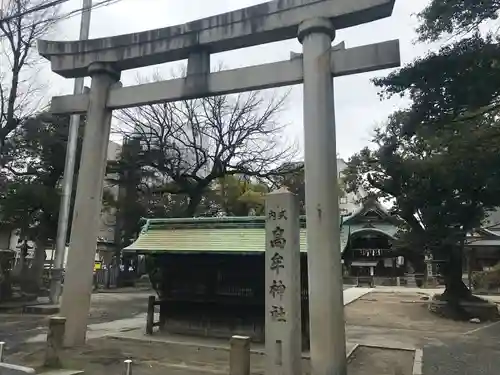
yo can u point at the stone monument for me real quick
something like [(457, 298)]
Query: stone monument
[(314, 22), (283, 321)]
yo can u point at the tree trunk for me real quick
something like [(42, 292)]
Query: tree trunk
[(455, 289)]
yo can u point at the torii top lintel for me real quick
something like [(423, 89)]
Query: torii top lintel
[(264, 23)]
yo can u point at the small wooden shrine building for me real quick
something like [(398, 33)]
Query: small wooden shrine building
[(209, 272)]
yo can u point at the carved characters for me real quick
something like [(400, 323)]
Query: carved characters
[(278, 242), (278, 239), (278, 313), (272, 215), (277, 263), (277, 289)]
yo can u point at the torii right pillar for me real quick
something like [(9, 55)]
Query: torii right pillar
[(326, 306)]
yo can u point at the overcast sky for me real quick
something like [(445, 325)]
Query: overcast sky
[(357, 105)]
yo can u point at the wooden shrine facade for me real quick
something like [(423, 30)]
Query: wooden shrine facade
[(209, 273), (369, 249)]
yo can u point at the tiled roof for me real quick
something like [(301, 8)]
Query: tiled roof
[(224, 222), (229, 240), (222, 234)]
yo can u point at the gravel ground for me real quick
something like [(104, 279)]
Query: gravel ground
[(461, 358), (367, 360), (477, 353), (450, 348), (107, 307), (16, 328), (105, 356)]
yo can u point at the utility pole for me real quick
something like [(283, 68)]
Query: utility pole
[(69, 169)]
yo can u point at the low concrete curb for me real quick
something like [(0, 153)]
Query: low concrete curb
[(418, 362), (417, 357), (62, 372), (9, 369), (222, 347), (350, 352), (353, 294)]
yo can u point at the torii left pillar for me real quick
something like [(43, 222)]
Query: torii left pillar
[(77, 290)]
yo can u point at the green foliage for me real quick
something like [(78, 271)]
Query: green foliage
[(240, 196), (442, 183), (460, 81), (455, 17), (34, 168), (438, 160), (292, 176)]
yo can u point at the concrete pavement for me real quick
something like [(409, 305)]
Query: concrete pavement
[(138, 321), (352, 294)]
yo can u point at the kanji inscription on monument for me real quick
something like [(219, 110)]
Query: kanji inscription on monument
[(276, 263), (283, 327)]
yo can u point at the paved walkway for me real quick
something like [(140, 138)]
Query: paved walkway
[(123, 316), (477, 353), (98, 330), (352, 294), (137, 322)]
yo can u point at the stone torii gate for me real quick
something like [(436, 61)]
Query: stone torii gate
[(314, 23)]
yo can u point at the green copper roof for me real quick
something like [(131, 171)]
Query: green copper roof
[(230, 240), (222, 234), (212, 234), (224, 222)]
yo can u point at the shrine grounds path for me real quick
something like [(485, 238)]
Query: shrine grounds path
[(127, 306), (385, 317), (401, 319)]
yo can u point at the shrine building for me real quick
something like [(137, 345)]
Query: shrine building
[(209, 272)]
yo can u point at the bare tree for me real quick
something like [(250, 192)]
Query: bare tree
[(19, 29), (186, 146)]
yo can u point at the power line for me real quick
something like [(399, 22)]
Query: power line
[(75, 12), (33, 10), (68, 15)]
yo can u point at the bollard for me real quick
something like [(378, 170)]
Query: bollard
[(128, 366), (2, 344), (239, 355), (55, 341), (151, 315)]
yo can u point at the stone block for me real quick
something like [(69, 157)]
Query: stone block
[(55, 340), (41, 309)]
